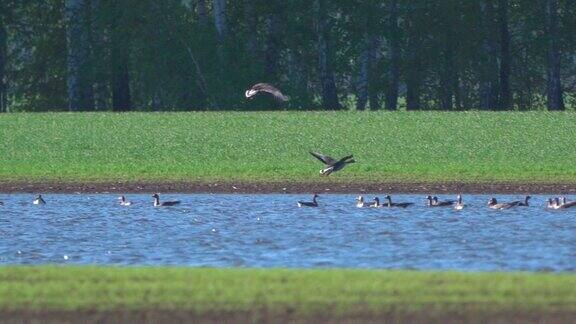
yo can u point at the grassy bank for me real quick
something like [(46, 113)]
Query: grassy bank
[(401, 146), (302, 292)]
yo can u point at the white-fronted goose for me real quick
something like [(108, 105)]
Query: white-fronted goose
[(157, 202), (267, 88), (459, 204), (123, 201), (390, 204), (39, 200), (332, 165), (313, 203)]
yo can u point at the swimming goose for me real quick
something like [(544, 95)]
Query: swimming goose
[(565, 204), (433, 202), (493, 203), (123, 201), (523, 203), (267, 88), (332, 165), (39, 200), (157, 202), (312, 203), (390, 204), (360, 203), (551, 204), (459, 204)]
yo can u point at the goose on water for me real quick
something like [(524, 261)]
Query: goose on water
[(494, 204), (553, 203), (360, 203), (313, 203), (157, 202), (332, 165), (390, 204), (433, 202), (524, 202), (266, 88), (561, 203), (39, 200), (124, 202), (459, 204)]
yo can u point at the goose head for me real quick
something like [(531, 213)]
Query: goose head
[(492, 201)]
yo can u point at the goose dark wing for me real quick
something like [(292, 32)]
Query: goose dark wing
[(324, 158)]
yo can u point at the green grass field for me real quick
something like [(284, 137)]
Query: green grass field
[(273, 146), (301, 291)]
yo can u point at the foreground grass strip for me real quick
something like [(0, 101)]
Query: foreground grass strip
[(277, 290), (273, 146)]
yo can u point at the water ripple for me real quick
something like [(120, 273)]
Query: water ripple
[(270, 231)]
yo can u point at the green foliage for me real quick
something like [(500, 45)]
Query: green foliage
[(440, 45), (265, 146), (304, 292)]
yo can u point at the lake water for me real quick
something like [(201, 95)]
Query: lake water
[(270, 231)]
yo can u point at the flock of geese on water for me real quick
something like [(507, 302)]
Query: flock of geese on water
[(39, 200), (458, 204), (432, 201)]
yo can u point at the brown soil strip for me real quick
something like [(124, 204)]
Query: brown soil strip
[(155, 316), (290, 187)]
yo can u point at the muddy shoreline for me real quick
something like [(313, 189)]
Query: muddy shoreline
[(177, 316), (243, 187)]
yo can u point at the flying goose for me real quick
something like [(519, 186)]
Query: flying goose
[(493, 203), (268, 88), (389, 203), (124, 202), (157, 202), (360, 203), (332, 165), (39, 200), (312, 203), (459, 204)]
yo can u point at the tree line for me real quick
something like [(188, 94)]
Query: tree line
[(121, 55)]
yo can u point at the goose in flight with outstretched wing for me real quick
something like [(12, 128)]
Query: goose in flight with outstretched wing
[(332, 165), (268, 88)]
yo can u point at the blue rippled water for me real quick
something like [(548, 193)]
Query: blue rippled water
[(270, 231)]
